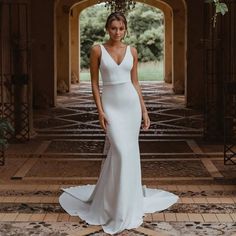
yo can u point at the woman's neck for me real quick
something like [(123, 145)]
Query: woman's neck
[(113, 43)]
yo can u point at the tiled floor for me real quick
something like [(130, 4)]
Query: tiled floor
[(70, 148)]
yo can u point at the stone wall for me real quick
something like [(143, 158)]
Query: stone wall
[(55, 52), (43, 53)]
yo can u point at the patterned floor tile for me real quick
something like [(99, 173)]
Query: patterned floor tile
[(167, 111), (193, 228), (69, 150), (77, 146)]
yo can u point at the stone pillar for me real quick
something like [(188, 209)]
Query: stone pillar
[(195, 82), (79, 51), (63, 48), (64, 63), (179, 56), (168, 57), (74, 46), (43, 67)]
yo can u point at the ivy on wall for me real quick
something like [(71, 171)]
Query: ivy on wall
[(220, 8)]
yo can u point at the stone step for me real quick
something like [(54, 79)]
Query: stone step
[(54, 199), (172, 187), (155, 217)]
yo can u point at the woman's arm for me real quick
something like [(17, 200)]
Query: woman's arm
[(94, 74), (134, 78)]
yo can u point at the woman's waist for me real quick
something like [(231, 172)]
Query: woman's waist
[(115, 82), (121, 90)]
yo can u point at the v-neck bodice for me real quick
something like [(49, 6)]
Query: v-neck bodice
[(113, 58), (113, 73)]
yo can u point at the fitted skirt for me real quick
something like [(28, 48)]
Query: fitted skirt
[(118, 200)]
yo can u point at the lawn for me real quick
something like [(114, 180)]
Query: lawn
[(149, 71)]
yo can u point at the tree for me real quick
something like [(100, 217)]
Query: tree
[(92, 30), (146, 32)]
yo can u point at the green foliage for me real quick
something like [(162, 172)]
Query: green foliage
[(151, 40), (145, 31), (220, 8), (5, 126), (92, 30), (143, 18)]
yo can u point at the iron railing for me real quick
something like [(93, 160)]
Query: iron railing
[(220, 79), (15, 67)]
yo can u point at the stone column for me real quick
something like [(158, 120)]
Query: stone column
[(63, 48), (179, 51), (74, 46), (43, 66), (168, 57), (79, 51), (195, 82)]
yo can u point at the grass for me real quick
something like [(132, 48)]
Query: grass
[(148, 71)]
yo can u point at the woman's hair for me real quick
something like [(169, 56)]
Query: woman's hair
[(116, 16)]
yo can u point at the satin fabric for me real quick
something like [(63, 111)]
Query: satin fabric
[(118, 201)]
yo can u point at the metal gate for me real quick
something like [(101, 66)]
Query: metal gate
[(229, 40), (15, 69), (220, 79), (213, 113)]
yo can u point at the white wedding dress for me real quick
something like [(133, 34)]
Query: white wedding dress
[(118, 201)]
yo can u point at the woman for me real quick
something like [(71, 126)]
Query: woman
[(118, 201)]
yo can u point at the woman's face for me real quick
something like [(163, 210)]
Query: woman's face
[(116, 30)]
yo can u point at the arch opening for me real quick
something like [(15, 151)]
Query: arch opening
[(147, 36), (174, 49)]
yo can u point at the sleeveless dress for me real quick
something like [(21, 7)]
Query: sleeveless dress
[(118, 201)]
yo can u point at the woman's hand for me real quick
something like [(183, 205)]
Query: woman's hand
[(103, 121), (146, 121)]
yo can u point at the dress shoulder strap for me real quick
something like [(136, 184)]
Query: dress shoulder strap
[(103, 50), (102, 47)]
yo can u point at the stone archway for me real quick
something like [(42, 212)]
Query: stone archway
[(175, 39), (75, 37)]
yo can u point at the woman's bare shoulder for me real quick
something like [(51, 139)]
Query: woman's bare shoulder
[(133, 51), (96, 49)]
